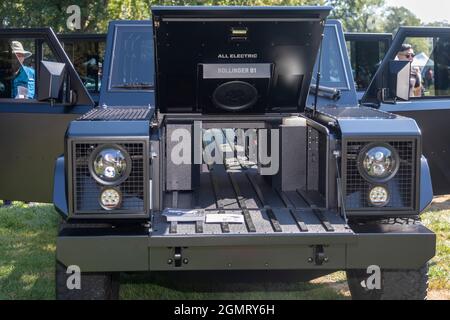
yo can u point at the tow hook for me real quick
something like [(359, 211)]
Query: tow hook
[(177, 259), (319, 256)]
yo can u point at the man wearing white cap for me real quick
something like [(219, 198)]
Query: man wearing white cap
[(24, 77)]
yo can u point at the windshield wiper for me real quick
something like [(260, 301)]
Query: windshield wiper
[(326, 92), (132, 86)]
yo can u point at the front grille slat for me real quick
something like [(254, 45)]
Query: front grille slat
[(116, 114), (401, 186), (87, 190)]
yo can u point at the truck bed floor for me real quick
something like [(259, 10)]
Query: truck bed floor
[(266, 210)]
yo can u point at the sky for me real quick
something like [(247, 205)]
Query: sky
[(425, 10)]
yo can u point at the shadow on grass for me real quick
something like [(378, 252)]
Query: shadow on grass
[(440, 203), (191, 286)]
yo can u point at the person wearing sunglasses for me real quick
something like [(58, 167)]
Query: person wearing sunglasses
[(406, 53)]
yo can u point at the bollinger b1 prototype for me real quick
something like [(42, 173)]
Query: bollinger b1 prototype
[(216, 147)]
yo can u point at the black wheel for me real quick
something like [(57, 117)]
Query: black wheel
[(94, 285), (395, 285)]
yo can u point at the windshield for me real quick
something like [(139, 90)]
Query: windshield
[(132, 66), (332, 70)]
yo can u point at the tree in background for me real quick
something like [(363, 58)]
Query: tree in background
[(399, 16), (356, 15), (32, 13), (95, 14), (444, 23)]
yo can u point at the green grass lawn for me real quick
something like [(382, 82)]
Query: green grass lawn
[(27, 251)]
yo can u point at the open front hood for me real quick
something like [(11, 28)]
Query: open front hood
[(279, 44)]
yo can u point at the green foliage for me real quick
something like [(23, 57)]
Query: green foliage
[(27, 251), (399, 16), (96, 14), (439, 222), (358, 15), (444, 23), (419, 45), (52, 13), (355, 15)]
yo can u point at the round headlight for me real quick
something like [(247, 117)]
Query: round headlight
[(110, 198), (110, 164), (378, 196), (378, 162)]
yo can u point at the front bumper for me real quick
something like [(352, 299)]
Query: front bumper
[(387, 246)]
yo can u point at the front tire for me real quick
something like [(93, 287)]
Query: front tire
[(395, 285), (94, 285)]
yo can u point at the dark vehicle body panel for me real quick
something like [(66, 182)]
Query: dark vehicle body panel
[(356, 123), (31, 132), (134, 250), (431, 114)]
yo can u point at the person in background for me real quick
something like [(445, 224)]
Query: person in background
[(23, 81), (406, 53)]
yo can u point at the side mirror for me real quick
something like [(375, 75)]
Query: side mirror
[(397, 80), (51, 79)]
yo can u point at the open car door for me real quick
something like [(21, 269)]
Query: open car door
[(429, 95), (40, 93), (366, 51)]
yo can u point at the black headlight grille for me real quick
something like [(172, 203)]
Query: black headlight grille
[(400, 187), (87, 190)]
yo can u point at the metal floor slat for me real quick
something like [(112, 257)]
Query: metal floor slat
[(206, 196), (225, 190), (285, 208), (316, 210), (258, 216), (294, 214), (227, 196), (241, 200), (286, 221)]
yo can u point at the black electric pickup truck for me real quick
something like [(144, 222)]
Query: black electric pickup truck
[(219, 144)]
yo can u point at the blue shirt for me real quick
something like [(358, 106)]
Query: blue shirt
[(25, 78)]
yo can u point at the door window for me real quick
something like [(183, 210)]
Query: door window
[(87, 58), (430, 65), (365, 58), (17, 68)]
